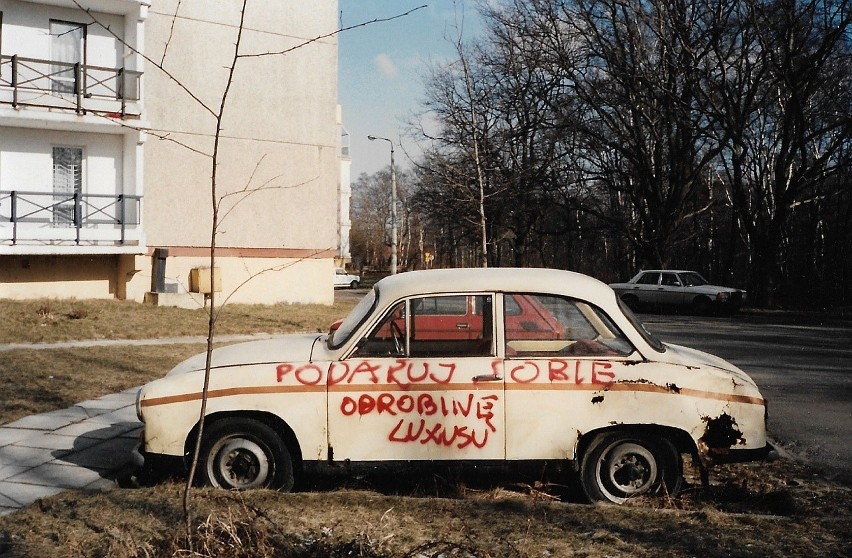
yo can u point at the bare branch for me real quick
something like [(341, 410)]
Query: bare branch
[(159, 66), (332, 34), (171, 33)]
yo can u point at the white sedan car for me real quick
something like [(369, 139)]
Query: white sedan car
[(344, 279), (477, 365), (677, 289)]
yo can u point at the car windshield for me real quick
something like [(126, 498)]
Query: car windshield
[(353, 320), (652, 339), (692, 279)]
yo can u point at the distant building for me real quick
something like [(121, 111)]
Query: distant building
[(105, 160), (344, 223)]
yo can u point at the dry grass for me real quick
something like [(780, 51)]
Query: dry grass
[(41, 381), (440, 511), (37, 381), (51, 320)]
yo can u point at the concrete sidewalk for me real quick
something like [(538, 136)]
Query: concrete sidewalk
[(86, 447)]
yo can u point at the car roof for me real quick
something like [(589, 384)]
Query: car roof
[(436, 281)]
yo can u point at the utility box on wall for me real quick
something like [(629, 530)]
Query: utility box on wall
[(199, 280)]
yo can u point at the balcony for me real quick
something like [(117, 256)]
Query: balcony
[(72, 219), (112, 92)]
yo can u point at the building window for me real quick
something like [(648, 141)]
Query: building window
[(67, 181), (67, 48)]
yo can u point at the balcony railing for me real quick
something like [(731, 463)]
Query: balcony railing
[(52, 84), (75, 217)]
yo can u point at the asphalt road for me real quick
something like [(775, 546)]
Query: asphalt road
[(803, 367)]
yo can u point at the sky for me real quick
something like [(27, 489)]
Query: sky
[(382, 70)]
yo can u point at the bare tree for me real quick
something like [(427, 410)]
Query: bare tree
[(781, 104)]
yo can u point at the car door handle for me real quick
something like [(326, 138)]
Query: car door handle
[(487, 378), (462, 326)]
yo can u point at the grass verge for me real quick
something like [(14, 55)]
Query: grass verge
[(46, 380), (54, 320), (442, 513)]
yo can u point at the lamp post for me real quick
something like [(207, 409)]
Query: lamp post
[(393, 204)]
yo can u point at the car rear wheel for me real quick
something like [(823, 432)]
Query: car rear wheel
[(241, 453), (622, 465), (353, 285)]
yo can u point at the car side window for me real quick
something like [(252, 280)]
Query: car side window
[(548, 325), (670, 280), (649, 279), (435, 326), (388, 337)]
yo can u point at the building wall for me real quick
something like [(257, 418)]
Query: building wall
[(278, 154), (55, 276), (277, 158)]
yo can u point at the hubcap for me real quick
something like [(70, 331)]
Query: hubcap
[(626, 470), (239, 463)]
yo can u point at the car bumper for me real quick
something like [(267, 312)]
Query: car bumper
[(155, 465), (766, 453)]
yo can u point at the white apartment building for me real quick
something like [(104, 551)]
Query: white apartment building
[(107, 128)]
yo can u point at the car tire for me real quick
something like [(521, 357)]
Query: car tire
[(353, 285), (620, 465), (702, 306), (242, 453)]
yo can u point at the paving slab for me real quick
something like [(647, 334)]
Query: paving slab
[(112, 401), (12, 435), (23, 457), (125, 414), (97, 430), (59, 475), (26, 494), (57, 443), (7, 471), (80, 447), (42, 422), (105, 457)]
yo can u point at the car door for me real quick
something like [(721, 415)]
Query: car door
[(554, 383), (671, 291), (646, 287), (412, 392)]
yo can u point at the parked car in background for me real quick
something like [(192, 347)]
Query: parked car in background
[(473, 365), (658, 289), (344, 279)]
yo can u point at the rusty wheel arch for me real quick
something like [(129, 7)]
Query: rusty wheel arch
[(681, 439)]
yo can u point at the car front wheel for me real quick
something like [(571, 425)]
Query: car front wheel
[(353, 285), (622, 465), (241, 453)]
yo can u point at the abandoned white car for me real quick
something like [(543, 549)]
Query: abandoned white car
[(478, 365)]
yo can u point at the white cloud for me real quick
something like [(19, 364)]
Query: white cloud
[(386, 65)]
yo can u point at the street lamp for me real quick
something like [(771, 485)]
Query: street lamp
[(393, 204)]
